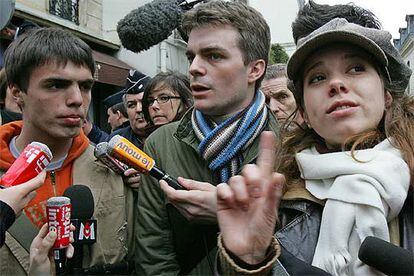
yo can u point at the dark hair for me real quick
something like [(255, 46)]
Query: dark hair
[(312, 16), (43, 46), (121, 108), (3, 88), (177, 82), (254, 33), (275, 71)]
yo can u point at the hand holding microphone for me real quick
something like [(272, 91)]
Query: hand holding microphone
[(40, 262), (17, 197), (126, 152), (58, 212)]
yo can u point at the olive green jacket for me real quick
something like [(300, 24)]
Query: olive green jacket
[(113, 210), (167, 243)]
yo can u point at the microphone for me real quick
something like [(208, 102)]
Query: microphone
[(58, 211), (123, 150), (151, 23), (86, 227), (386, 257), (32, 161), (101, 154)]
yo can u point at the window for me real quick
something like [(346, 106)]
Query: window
[(66, 9)]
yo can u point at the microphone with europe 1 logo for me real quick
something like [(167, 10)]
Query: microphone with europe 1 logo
[(101, 153), (123, 150), (86, 227)]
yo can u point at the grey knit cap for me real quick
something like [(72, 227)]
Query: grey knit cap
[(374, 41)]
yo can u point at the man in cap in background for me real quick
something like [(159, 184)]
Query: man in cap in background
[(132, 99), (117, 115), (117, 119)]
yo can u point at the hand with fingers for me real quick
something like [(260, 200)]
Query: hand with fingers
[(132, 178), (17, 197), (247, 206), (198, 203), (41, 258)]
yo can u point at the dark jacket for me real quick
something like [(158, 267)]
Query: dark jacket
[(129, 134), (7, 116), (167, 243), (97, 135), (7, 218)]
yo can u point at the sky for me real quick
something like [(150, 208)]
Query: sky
[(391, 13)]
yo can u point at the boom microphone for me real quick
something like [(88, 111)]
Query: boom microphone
[(86, 227), (151, 23), (386, 257), (101, 153), (123, 150)]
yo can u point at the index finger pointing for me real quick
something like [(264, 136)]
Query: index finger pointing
[(267, 152)]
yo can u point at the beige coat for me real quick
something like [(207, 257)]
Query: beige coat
[(113, 212)]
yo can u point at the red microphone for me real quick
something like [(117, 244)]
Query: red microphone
[(32, 161), (58, 210)]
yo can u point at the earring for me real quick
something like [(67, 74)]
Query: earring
[(308, 125)]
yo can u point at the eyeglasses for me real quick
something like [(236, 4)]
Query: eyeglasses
[(162, 99)]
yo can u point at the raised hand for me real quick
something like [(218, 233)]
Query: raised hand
[(247, 207)]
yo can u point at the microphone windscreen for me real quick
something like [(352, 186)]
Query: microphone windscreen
[(149, 24), (386, 257), (82, 201)]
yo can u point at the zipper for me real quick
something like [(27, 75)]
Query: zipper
[(53, 179)]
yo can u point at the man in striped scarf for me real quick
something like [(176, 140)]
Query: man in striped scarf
[(227, 50)]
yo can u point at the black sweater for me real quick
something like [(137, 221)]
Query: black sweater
[(7, 218)]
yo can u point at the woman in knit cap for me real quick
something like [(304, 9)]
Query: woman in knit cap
[(354, 159)]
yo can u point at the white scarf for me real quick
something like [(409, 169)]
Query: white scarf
[(361, 197)]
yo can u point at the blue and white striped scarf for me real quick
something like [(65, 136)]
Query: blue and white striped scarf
[(221, 145)]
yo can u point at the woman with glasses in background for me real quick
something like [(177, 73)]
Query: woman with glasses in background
[(166, 98)]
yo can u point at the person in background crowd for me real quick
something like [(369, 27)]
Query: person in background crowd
[(228, 51), (50, 73), (9, 109), (117, 119), (14, 29), (279, 98), (117, 115), (166, 98), (133, 93), (359, 131)]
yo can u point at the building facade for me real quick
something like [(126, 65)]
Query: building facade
[(405, 44)]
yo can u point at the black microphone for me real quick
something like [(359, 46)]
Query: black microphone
[(151, 23), (386, 257), (86, 228)]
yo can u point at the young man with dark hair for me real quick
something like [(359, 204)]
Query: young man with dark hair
[(228, 51), (50, 73)]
